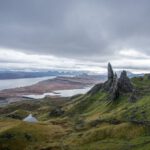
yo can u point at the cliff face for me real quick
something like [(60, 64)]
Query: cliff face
[(114, 85)]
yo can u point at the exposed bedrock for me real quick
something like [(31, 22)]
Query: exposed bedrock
[(114, 85)]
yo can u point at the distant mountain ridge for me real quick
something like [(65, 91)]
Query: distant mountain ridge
[(36, 74), (12, 74)]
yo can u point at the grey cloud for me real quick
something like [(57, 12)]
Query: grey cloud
[(79, 29)]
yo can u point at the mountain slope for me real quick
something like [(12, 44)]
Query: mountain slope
[(119, 124), (98, 120)]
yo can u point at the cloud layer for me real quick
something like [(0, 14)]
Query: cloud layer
[(83, 33)]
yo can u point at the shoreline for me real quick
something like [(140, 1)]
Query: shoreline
[(47, 86)]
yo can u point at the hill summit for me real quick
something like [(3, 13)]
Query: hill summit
[(114, 85)]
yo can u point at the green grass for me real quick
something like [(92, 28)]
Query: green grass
[(90, 122), (116, 144), (17, 134)]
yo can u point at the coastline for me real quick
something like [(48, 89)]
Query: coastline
[(47, 86)]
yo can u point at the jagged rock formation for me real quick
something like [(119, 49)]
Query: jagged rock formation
[(114, 85), (109, 83), (110, 72), (114, 88), (124, 83)]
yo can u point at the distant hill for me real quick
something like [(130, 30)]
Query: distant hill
[(35, 74)]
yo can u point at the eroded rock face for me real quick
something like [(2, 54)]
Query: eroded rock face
[(121, 85), (113, 85), (110, 72), (114, 91), (108, 84), (124, 83)]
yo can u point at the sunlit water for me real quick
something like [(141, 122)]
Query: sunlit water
[(15, 83), (61, 93)]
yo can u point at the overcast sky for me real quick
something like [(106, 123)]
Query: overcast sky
[(75, 34)]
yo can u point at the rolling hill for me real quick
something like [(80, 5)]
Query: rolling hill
[(114, 115)]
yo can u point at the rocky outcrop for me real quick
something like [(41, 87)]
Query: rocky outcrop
[(108, 84), (121, 85), (110, 72), (124, 83), (114, 85), (56, 112), (114, 91)]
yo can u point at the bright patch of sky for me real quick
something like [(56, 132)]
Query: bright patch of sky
[(17, 60)]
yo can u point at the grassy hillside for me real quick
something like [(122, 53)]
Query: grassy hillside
[(90, 122)]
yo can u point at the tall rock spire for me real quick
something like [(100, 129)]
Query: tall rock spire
[(110, 72), (114, 86)]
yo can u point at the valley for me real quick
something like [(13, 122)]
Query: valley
[(48, 87)]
